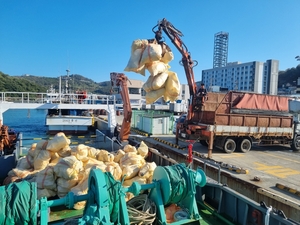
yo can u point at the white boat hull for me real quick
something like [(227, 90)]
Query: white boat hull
[(68, 124)]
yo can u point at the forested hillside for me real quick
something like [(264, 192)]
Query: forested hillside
[(75, 82), (18, 84), (29, 83), (289, 76)]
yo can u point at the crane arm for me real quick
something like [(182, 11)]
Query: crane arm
[(187, 62), (175, 36), (120, 80)]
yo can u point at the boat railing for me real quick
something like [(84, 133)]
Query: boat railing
[(56, 98), (20, 150), (104, 141)]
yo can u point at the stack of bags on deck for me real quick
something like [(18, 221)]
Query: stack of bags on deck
[(58, 169), (155, 58)]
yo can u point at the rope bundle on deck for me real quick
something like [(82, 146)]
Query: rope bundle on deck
[(141, 210)]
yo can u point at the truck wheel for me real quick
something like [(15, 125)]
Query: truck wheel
[(244, 145), (204, 143), (296, 144), (229, 145)]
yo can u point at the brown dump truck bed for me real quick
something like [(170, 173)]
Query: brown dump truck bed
[(245, 109)]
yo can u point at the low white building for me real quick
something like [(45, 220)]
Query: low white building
[(136, 93)]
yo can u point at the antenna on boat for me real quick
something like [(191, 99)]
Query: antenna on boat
[(60, 89), (67, 79)]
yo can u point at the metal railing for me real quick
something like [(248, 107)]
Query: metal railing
[(32, 97), (56, 98)]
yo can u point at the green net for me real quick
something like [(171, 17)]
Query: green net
[(18, 203)]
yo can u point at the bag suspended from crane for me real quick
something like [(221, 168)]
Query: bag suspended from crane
[(134, 65), (144, 55), (167, 55), (155, 82), (138, 44), (155, 58), (151, 53), (157, 67), (172, 89), (153, 96)]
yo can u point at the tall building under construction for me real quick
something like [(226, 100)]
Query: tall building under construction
[(220, 49), (254, 76)]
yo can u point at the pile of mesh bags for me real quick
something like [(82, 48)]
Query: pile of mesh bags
[(58, 168), (155, 58)]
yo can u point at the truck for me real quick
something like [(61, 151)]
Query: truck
[(233, 120), (237, 120)]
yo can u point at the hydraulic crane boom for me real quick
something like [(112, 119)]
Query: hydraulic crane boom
[(188, 127), (120, 80), (187, 62)]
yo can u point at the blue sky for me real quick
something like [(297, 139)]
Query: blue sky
[(93, 37)]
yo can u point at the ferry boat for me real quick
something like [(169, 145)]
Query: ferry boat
[(69, 121)]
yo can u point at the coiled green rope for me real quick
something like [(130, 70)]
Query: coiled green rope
[(178, 181)]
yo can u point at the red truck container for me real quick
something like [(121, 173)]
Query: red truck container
[(236, 120)]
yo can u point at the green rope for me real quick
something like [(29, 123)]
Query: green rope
[(113, 188), (177, 175)]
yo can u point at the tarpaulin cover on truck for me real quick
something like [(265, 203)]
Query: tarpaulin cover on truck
[(263, 102)]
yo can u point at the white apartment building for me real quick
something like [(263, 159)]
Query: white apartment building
[(184, 92), (136, 93), (259, 77)]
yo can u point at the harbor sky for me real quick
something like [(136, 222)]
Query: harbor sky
[(93, 38)]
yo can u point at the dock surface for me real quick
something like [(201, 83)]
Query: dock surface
[(264, 174)]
